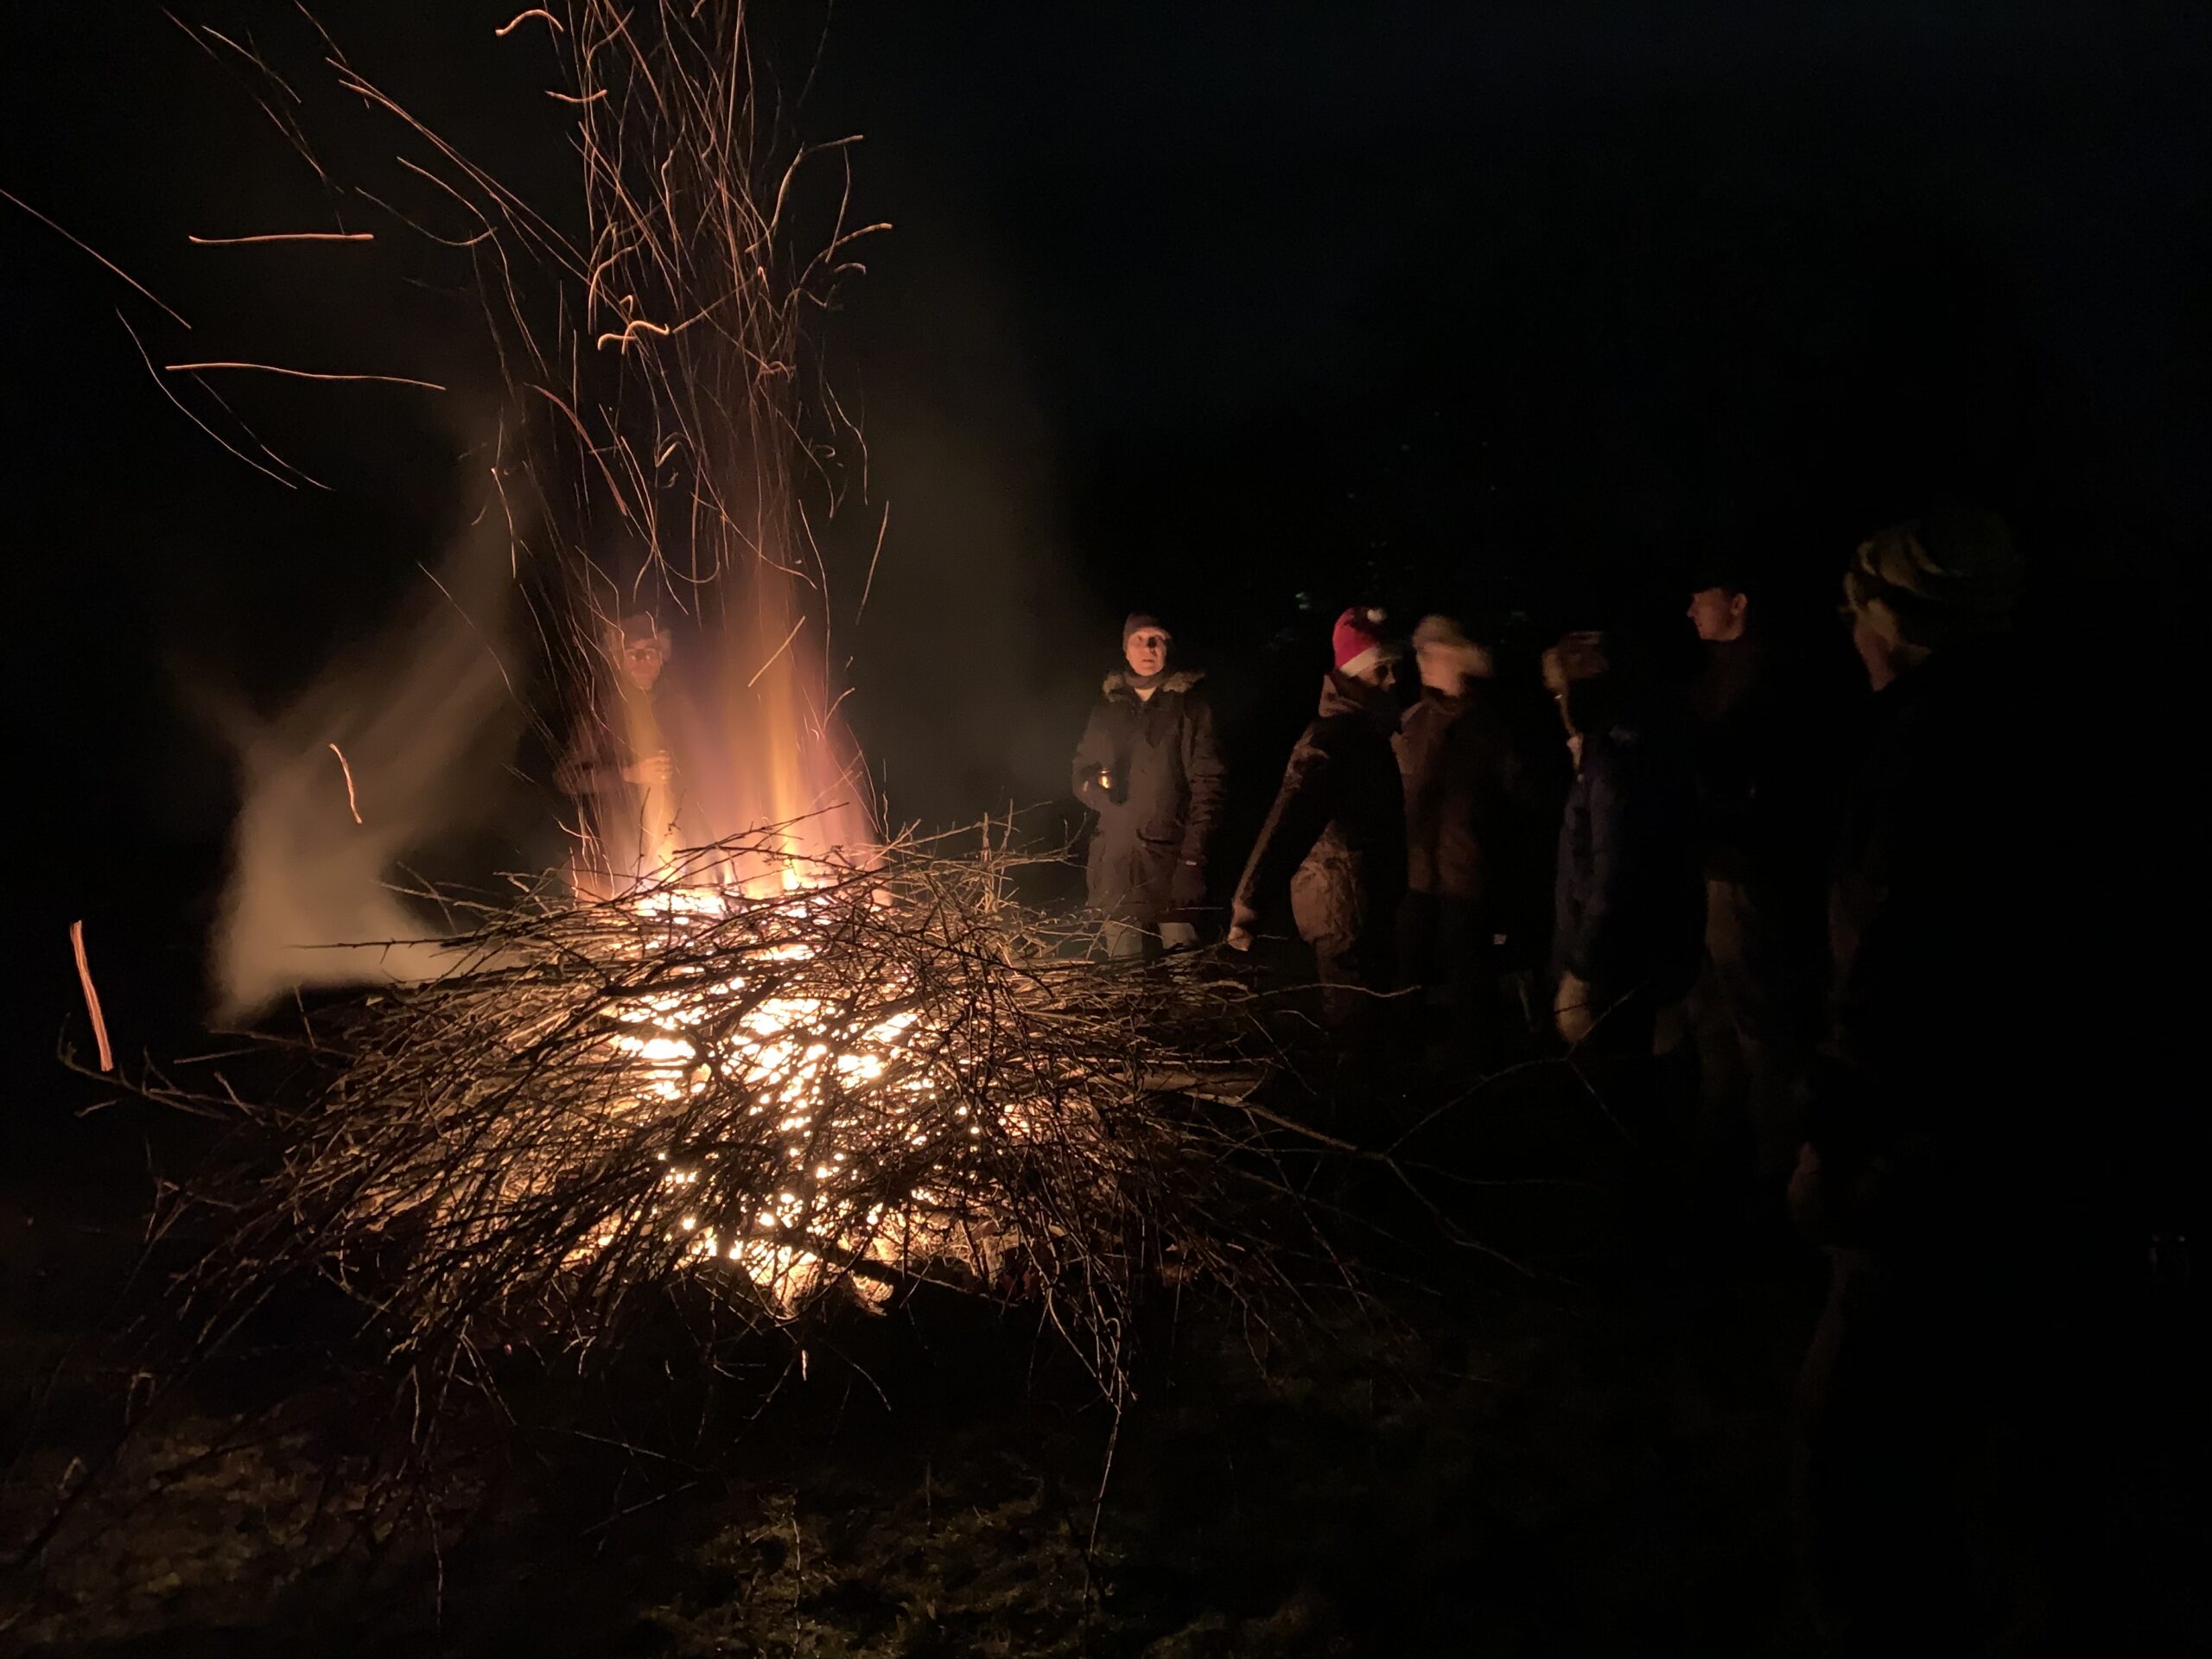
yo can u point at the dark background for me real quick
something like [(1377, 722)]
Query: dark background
[(1238, 313)]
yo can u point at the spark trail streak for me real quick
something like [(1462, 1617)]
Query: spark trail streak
[(92, 996), (301, 374), (282, 236), (88, 248), (352, 804)]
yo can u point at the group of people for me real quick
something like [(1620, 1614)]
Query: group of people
[(1402, 836), (1430, 844), (1834, 931)]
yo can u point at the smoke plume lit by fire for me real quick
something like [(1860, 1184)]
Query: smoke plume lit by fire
[(389, 749)]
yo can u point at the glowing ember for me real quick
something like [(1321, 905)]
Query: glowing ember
[(825, 1078), (850, 1081)]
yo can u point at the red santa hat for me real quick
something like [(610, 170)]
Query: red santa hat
[(1357, 641)]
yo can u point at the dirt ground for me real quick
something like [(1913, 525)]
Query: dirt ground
[(1589, 1456)]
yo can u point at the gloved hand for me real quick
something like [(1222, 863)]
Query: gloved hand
[(1573, 1010), (1115, 789), (1186, 888), (1807, 1192), (1243, 918)]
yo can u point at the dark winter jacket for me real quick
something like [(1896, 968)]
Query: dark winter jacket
[(1941, 920), (1472, 822), (1629, 910), (627, 820), (1761, 744), (1337, 833), (1160, 802)]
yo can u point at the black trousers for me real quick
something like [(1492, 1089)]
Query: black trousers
[(1754, 1011), (1903, 1417), (1354, 972), (1444, 947)]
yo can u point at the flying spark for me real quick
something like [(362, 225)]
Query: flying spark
[(517, 21), (302, 374), (282, 235), (352, 804), (92, 996)]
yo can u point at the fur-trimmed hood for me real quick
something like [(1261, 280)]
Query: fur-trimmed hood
[(1151, 770), (1179, 679)]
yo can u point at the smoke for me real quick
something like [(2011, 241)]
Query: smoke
[(978, 654), (409, 734)]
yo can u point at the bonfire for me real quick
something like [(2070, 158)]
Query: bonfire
[(805, 1066), (858, 1081)]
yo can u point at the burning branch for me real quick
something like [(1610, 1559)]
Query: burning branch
[(91, 995)]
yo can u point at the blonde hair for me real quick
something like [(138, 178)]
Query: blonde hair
[(1936, 578)]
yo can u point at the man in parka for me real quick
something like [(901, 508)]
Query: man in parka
[(1148, 765), (1336, 836)]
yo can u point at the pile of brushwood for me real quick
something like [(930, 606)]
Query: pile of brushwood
[(755, 1112)]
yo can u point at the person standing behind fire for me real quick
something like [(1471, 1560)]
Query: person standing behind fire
[(620, 764), (1470, 822), (1336, 836), (1148, 765), (1629, 927)]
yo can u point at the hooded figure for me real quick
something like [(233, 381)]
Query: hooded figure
[(1148, 765), (1336, 836), (1629, 928)]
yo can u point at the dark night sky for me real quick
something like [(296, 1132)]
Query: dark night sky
[(1194, 306)]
